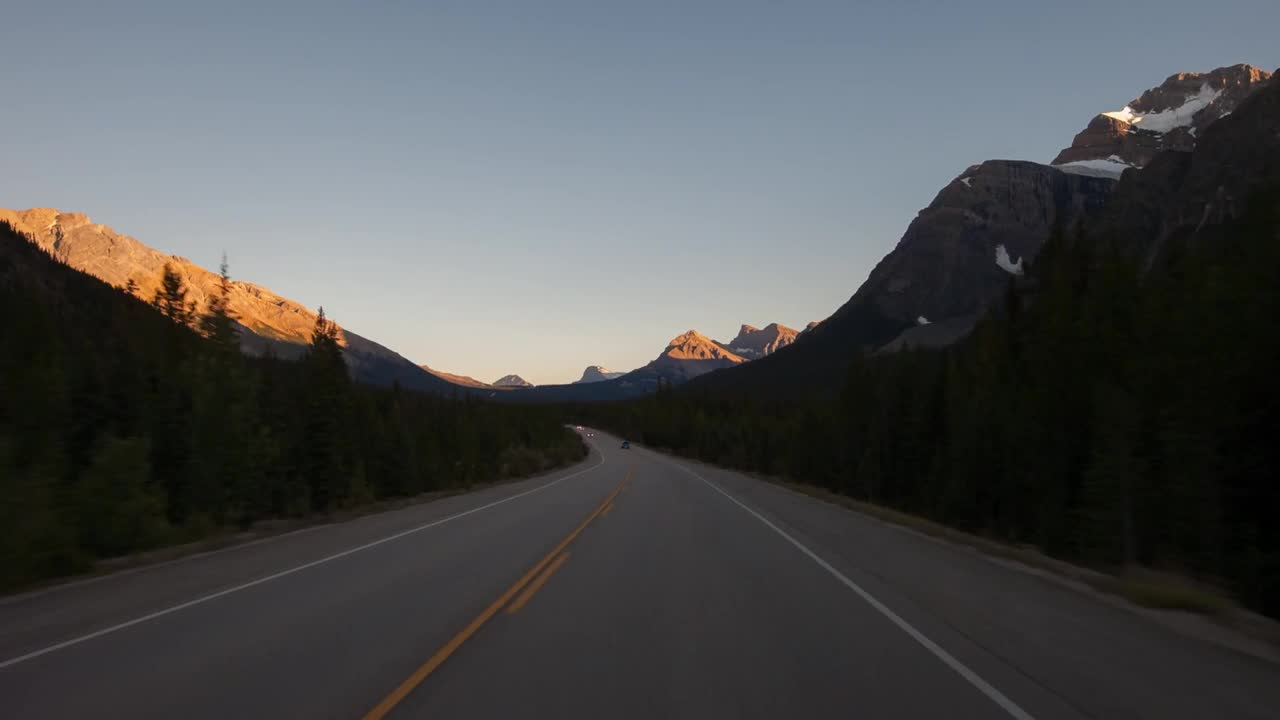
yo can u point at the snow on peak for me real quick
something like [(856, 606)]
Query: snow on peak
[(922, 320), (968, 181), (1006, 263), (1166, 120)]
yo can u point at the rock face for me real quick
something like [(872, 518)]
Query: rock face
[(754, 343), (267, 321), (511, 381), (1168, 117), (958, 254), (596, 373)]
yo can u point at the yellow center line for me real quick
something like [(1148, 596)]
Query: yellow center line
[(538, 583), (402, 691), (606, 510)]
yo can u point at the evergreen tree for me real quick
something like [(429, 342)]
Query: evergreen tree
[(324, 464), (218, 322), (171, 298)]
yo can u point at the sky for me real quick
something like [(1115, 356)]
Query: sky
[(534, 187)]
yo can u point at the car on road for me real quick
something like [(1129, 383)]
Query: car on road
[(626, 444)]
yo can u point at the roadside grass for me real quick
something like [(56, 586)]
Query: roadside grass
[(1167, 596), (1145, 589)]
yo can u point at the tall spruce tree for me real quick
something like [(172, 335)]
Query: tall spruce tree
[(171, 298)]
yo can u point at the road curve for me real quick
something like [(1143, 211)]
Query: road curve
[(630, 586)]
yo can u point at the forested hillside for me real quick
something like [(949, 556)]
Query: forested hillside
[(1107, 413), (122, 429)]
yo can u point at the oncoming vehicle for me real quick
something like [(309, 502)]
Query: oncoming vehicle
[(626, 444)]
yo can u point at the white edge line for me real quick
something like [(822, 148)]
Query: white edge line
[(77, 583), (275, 576), (947, 658)]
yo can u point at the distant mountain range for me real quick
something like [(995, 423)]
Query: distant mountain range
[(511, 381), (687, 356), (268, 322)]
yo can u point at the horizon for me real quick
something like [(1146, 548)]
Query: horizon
[(427, 176)]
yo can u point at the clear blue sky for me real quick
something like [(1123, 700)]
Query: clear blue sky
[(532, 187)]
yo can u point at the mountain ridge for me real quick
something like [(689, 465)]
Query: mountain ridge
[(269, 323)]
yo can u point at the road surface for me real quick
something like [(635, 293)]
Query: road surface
[(629, 586)]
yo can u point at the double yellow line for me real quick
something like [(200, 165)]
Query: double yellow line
[(530, 582)]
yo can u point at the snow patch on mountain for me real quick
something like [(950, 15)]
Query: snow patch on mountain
[(1112, 167), (1166, 120), (1006, 263)]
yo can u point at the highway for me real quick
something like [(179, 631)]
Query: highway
[(632, 585)]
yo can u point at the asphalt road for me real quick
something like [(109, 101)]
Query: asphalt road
[(630, 586)]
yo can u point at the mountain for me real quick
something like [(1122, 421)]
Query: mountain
[(689, 355), (961, 253), (1167, 117), (268, 322), (595, 374), (511, 381), (463, 380), (1186, 196), (956, 257), (754, 343)]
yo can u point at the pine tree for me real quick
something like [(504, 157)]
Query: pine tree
[(218, 322), (171, 298), (324, 454)]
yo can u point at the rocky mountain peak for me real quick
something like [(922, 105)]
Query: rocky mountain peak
[(597, 373), (511, 381), (1167, 117), (753, 343), (693, 345)]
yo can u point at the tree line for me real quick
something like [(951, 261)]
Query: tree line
[(127, 425), (1111, 410)]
